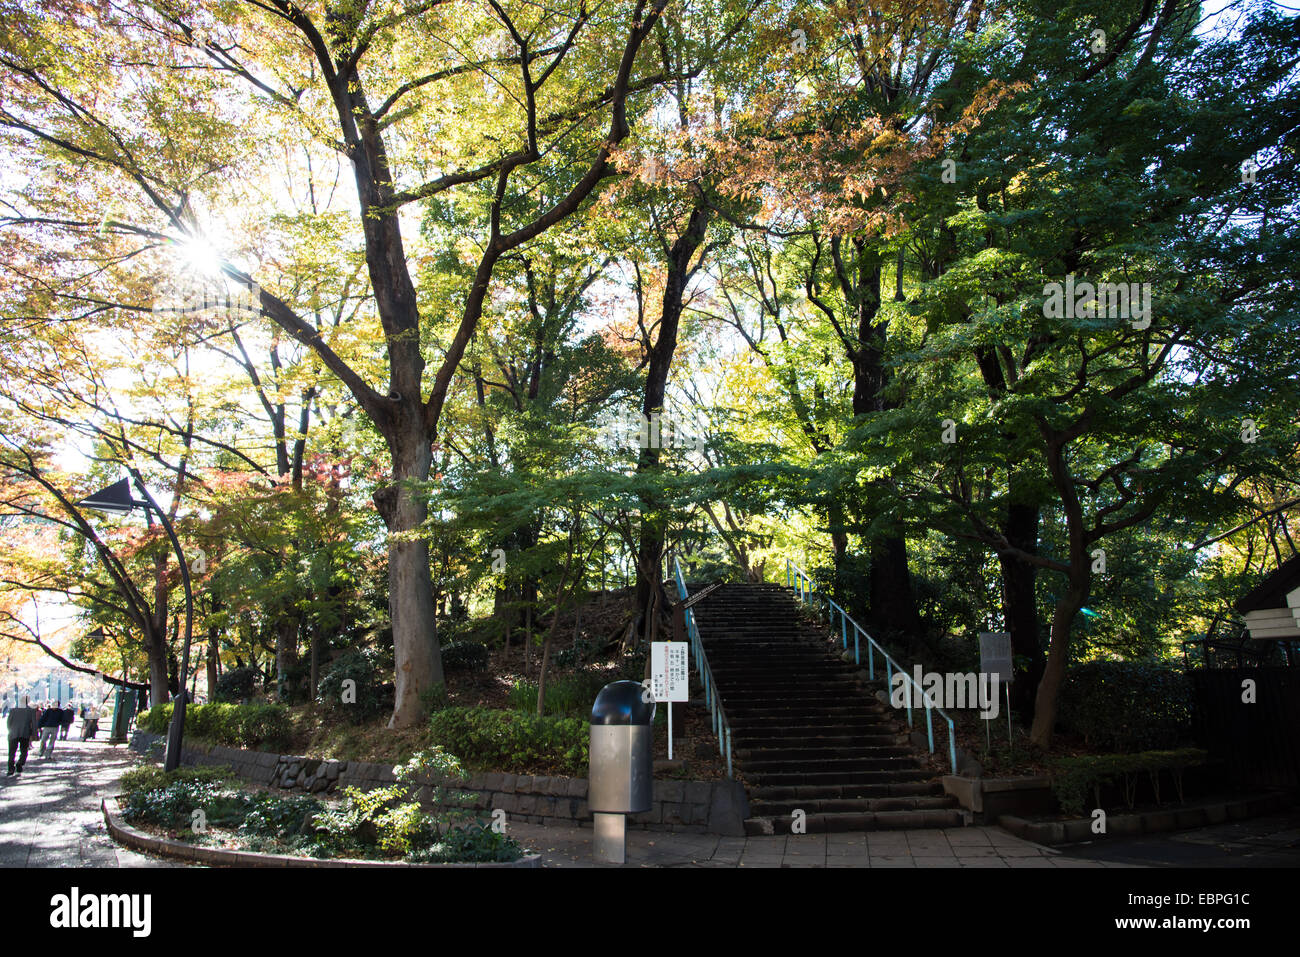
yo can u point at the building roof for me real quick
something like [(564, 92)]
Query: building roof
[(1272, 591)]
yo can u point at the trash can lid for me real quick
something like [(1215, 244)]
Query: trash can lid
[(621, 703)]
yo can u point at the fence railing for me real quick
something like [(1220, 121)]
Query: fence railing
[(712, 700), (805, 589)]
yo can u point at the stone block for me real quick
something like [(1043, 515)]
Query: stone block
[(670, 791), (577, 787), (698, 792), (524, 784), (509, 783), (542, 785), (1124, 825), (676, 813), (527, 803)]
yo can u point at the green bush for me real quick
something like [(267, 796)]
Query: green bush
[(464, 656), (473, 843), (570, 695), (382, 819), (236, 685), (361, 668), (1076, 779), (257, 726), (172, 805), (1127, 705), (148, 777), (269, 815), (512, 741)]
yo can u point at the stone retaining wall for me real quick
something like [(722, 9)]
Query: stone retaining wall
[(717, 807)]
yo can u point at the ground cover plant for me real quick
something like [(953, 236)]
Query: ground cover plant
[(207, 806)]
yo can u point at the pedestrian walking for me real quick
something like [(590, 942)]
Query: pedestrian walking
[(21, 722), (51, 721), (68, 715), (89, 724)]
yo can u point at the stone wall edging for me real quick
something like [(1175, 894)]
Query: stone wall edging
[(718, 807), (1145, 822)]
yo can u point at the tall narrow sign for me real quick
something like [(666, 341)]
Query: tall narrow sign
[(669, 677)]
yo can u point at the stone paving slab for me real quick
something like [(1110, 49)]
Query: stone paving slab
[(971, 847)]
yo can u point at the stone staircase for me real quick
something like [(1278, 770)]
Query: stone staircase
[(808, 734)]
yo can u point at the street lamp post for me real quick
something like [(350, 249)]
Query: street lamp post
[(117, 500)]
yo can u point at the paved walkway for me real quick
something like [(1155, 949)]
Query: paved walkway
[(50, 816), (953, 847)]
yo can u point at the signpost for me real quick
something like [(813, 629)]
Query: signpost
[(995, 661), (669, 677)]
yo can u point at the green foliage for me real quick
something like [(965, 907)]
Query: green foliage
[(148, 777), (1076, 779), (473, 843), (566, 695), (269, 815), (464, 656), (366, 820), (361, 668), (1127, 705), (513, 742), (431, 762), (171, 805), (434, 698), (237, 684), (263, 727)]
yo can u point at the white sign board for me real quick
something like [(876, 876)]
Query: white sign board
[(995, 655), (669, 671)]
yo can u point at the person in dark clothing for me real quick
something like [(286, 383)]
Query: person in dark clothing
[(21, 722), (51, 721), (68, 715)]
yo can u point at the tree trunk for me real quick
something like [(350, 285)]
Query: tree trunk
[(417, 662), (1020, 604), (159, 684), (214, 652), (1049, 688), (680, 270)]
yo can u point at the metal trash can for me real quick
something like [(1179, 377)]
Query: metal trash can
[(621, 778)]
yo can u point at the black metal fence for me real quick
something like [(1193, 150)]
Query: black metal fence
[(1259, 739)]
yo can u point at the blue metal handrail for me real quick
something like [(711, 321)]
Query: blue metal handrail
[(802, 583), (718, 718)]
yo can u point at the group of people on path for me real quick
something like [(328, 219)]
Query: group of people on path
[(49, 722)]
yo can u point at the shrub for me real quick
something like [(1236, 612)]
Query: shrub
[(464, 656), (570, 695), (173, 804), (382, 818), (1075, 779), (149, 777), (236, 685), (512, 741), (434, 698), (271, 816), (1127, 705), (361, 668), (257, 726), (473, 843)]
